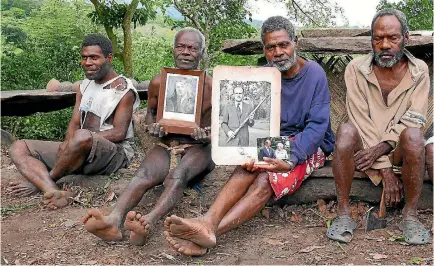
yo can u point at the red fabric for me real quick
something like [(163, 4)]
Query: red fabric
[(287, 183)]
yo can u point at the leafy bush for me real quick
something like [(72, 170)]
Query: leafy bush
[(43, 126)]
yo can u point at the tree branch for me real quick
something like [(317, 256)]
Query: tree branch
[(304, 13)]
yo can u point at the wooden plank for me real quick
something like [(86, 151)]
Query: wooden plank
[(327, 45), (27, 102), (333, 32), (349, 32)]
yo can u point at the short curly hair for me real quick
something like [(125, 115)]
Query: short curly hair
[(98, 39), (391, 12), (277, 23)]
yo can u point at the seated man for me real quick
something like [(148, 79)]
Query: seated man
[(387, 94), (96, 141), (157, 166), (305, 117)]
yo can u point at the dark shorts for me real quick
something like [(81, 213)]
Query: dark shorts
[(105, 157)]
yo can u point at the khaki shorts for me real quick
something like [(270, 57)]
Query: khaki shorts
[(105, 157)]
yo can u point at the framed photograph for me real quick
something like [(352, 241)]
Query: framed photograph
[(246, 106), (180, 100), (273, 147)]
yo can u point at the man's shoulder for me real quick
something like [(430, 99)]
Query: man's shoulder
[(356, 62), (315, 71)]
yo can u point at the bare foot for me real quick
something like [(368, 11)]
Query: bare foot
[(22, 188), (139, 227), (55, 199), (101, 226), (196, 230), (183, 246)]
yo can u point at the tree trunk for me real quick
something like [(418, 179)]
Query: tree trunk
[(109, 30), (206, 58), (128, 42)]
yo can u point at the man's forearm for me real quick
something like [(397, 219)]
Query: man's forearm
[(383, 148), (150, 117)]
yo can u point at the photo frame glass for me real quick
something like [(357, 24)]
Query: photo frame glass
[(246, 106), (181, 97)]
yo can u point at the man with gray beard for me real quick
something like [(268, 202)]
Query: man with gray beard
[(305, 117), (387, 100)]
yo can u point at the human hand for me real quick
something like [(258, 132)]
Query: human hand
[(202, 134), (156, 130), (364, 159), (231, 134), (274, 165), (393, 188), (250, 165)]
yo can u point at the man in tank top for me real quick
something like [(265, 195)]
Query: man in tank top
[(97, 139)]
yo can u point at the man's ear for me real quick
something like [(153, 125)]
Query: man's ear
[(110, 58), (406, 37), (296, 40)]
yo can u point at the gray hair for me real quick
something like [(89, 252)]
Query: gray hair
[(277, 23), (199, 34), (391, 12)]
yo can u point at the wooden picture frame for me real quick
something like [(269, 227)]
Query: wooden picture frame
[(180, 100)]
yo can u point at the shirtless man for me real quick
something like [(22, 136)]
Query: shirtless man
[(188, 49), (97, 137)]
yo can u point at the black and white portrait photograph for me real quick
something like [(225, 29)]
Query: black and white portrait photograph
[(245, 112), (273, 147), (180, 98), (246, 106)]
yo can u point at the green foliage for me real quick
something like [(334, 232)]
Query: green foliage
[(315, 13), (43, 126), (419, 12), (45, 44), (150, 55), (225, 20), (114, 13)]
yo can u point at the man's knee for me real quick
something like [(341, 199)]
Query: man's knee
[(18, 149), (261, 187), (346, 136), (411, 141), (81, 140)]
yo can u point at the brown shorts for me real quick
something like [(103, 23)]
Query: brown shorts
[(105, 157)]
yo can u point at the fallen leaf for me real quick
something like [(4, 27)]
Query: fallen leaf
[(91, 262), (167, 256), (266, 213), (17, 262), (377, 256), (52, 225), (274, 242), (295, 218), (322, 206), (110, 196), (394, 238), (317, 258), (310, 249), (416, 260), (295, 236)]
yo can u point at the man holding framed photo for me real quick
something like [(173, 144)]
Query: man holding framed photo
[(305, 118), (176, 161)]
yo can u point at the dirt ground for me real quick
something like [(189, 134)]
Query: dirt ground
[(288, 235)]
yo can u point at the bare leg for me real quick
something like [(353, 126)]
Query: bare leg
[(202, 230), (151, 172), (348, 142), (32, 169), (196, 162), (74, 156), (429, 160), (255, 199), (70, 160), (411, 147)]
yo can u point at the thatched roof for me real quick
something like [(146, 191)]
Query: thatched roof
[(332, 41)]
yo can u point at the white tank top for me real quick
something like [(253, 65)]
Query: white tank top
[(102, 102)]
